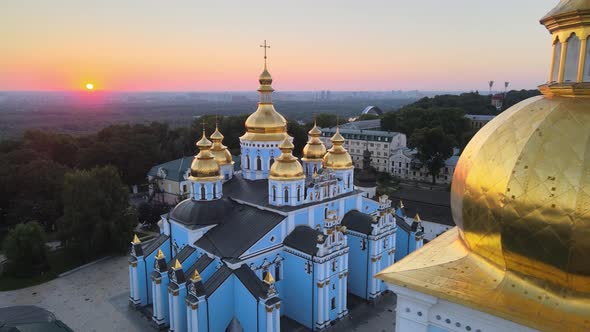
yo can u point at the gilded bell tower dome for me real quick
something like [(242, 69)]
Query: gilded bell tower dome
[(286, 167), (204, 173), (337, 157), (313, 152), (222, 155), (521, 200), (265, 130)]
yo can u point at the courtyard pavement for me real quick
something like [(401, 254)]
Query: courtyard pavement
[(95, 298)]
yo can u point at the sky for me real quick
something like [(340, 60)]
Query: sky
[(350, 45)]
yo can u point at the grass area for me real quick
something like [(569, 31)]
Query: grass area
[(59, 261)]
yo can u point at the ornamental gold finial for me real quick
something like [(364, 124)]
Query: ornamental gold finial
[(135, 239), (268, 278), (160, 254), (401, 204), (177, 265), (417, 217), (196, 276)]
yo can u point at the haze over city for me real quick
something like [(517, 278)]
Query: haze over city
[(213, 46)]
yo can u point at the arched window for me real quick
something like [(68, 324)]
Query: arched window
[(258, 163), (556, 60), (586, 76), (247, 162), (572, 59), (315, 169), (214, 190), (202, 192), (298, 193), (286, 195), (272, 161), (348, 185), (274, 194)]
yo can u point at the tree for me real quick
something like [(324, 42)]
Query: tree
[(328, 120), (25, 248), (389, 121), (149, 213), (434, 148), (97, 218)]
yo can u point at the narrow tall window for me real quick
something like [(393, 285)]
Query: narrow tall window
[(572, 59), (247, 162), (274, 194), (333, 303), (298, 193), (202, 192), (277, 272), (286, 195), (586, 77), (272, 161), (258, 163), (214, 190)]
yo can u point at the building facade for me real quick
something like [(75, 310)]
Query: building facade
[(405, 165), (381, 145), (518, 258), (282, 237), (478, 121), (168, 183)]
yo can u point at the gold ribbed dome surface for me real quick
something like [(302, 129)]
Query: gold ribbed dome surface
[(204, 167), (315, 149), (337, 157), (265, 124), (286, 166), (568, 6), (220, 152), (521, 191)]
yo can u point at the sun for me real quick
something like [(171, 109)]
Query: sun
[(89, 86)]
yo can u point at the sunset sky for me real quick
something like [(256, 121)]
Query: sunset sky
[(157, 45)]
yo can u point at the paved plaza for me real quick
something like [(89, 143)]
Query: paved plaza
[(95, 298)]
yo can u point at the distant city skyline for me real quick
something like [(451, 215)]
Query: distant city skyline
[(332, 45)]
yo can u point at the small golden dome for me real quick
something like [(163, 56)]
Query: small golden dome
[(337, 157), (204, 166), (265, 78), (315, 149), (286, 166), (220, 152)]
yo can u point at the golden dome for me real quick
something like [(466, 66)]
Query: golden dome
[(220, 152), (315, 149), (286, 166), (337, 157), (265, 124), (204, 166), (520, 194), (566, 12)]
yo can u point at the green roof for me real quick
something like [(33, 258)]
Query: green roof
[(174, 169)]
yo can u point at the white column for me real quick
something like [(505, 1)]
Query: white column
[(195, 320), (269, 325), (320, 304), (327, 302), (156, 300), (131, 283), (171, 315), (135, 284), (277, 320), (340, 294)]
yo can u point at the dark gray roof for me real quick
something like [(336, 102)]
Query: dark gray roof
[(303, 238), (155, 244), (433, 206), (182, 255), (239, 229), (200, 265), (217, 280), (175, 169), (403, 224), (254, 285), (201, 213), (256, 192), (358, 221), (364, 125), (29, 318)]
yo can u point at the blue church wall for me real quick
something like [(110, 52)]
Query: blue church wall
[(349, 204), (402, 241), (298, 295), (245, 306), (221, 304), (357, 267), (179, 235), (369, 205), (208, 272), (202, 314), (147, 270), (301, 218)]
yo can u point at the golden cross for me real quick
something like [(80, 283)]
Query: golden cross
[(265, 46)]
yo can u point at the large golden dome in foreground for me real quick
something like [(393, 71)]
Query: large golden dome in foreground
[(521, 201), (521, 192)]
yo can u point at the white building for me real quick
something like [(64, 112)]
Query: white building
[(404, 165), (381, 144)]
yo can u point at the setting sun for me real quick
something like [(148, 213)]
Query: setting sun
[(89, 86)]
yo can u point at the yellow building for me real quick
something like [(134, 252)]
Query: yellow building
[(519, 258)]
